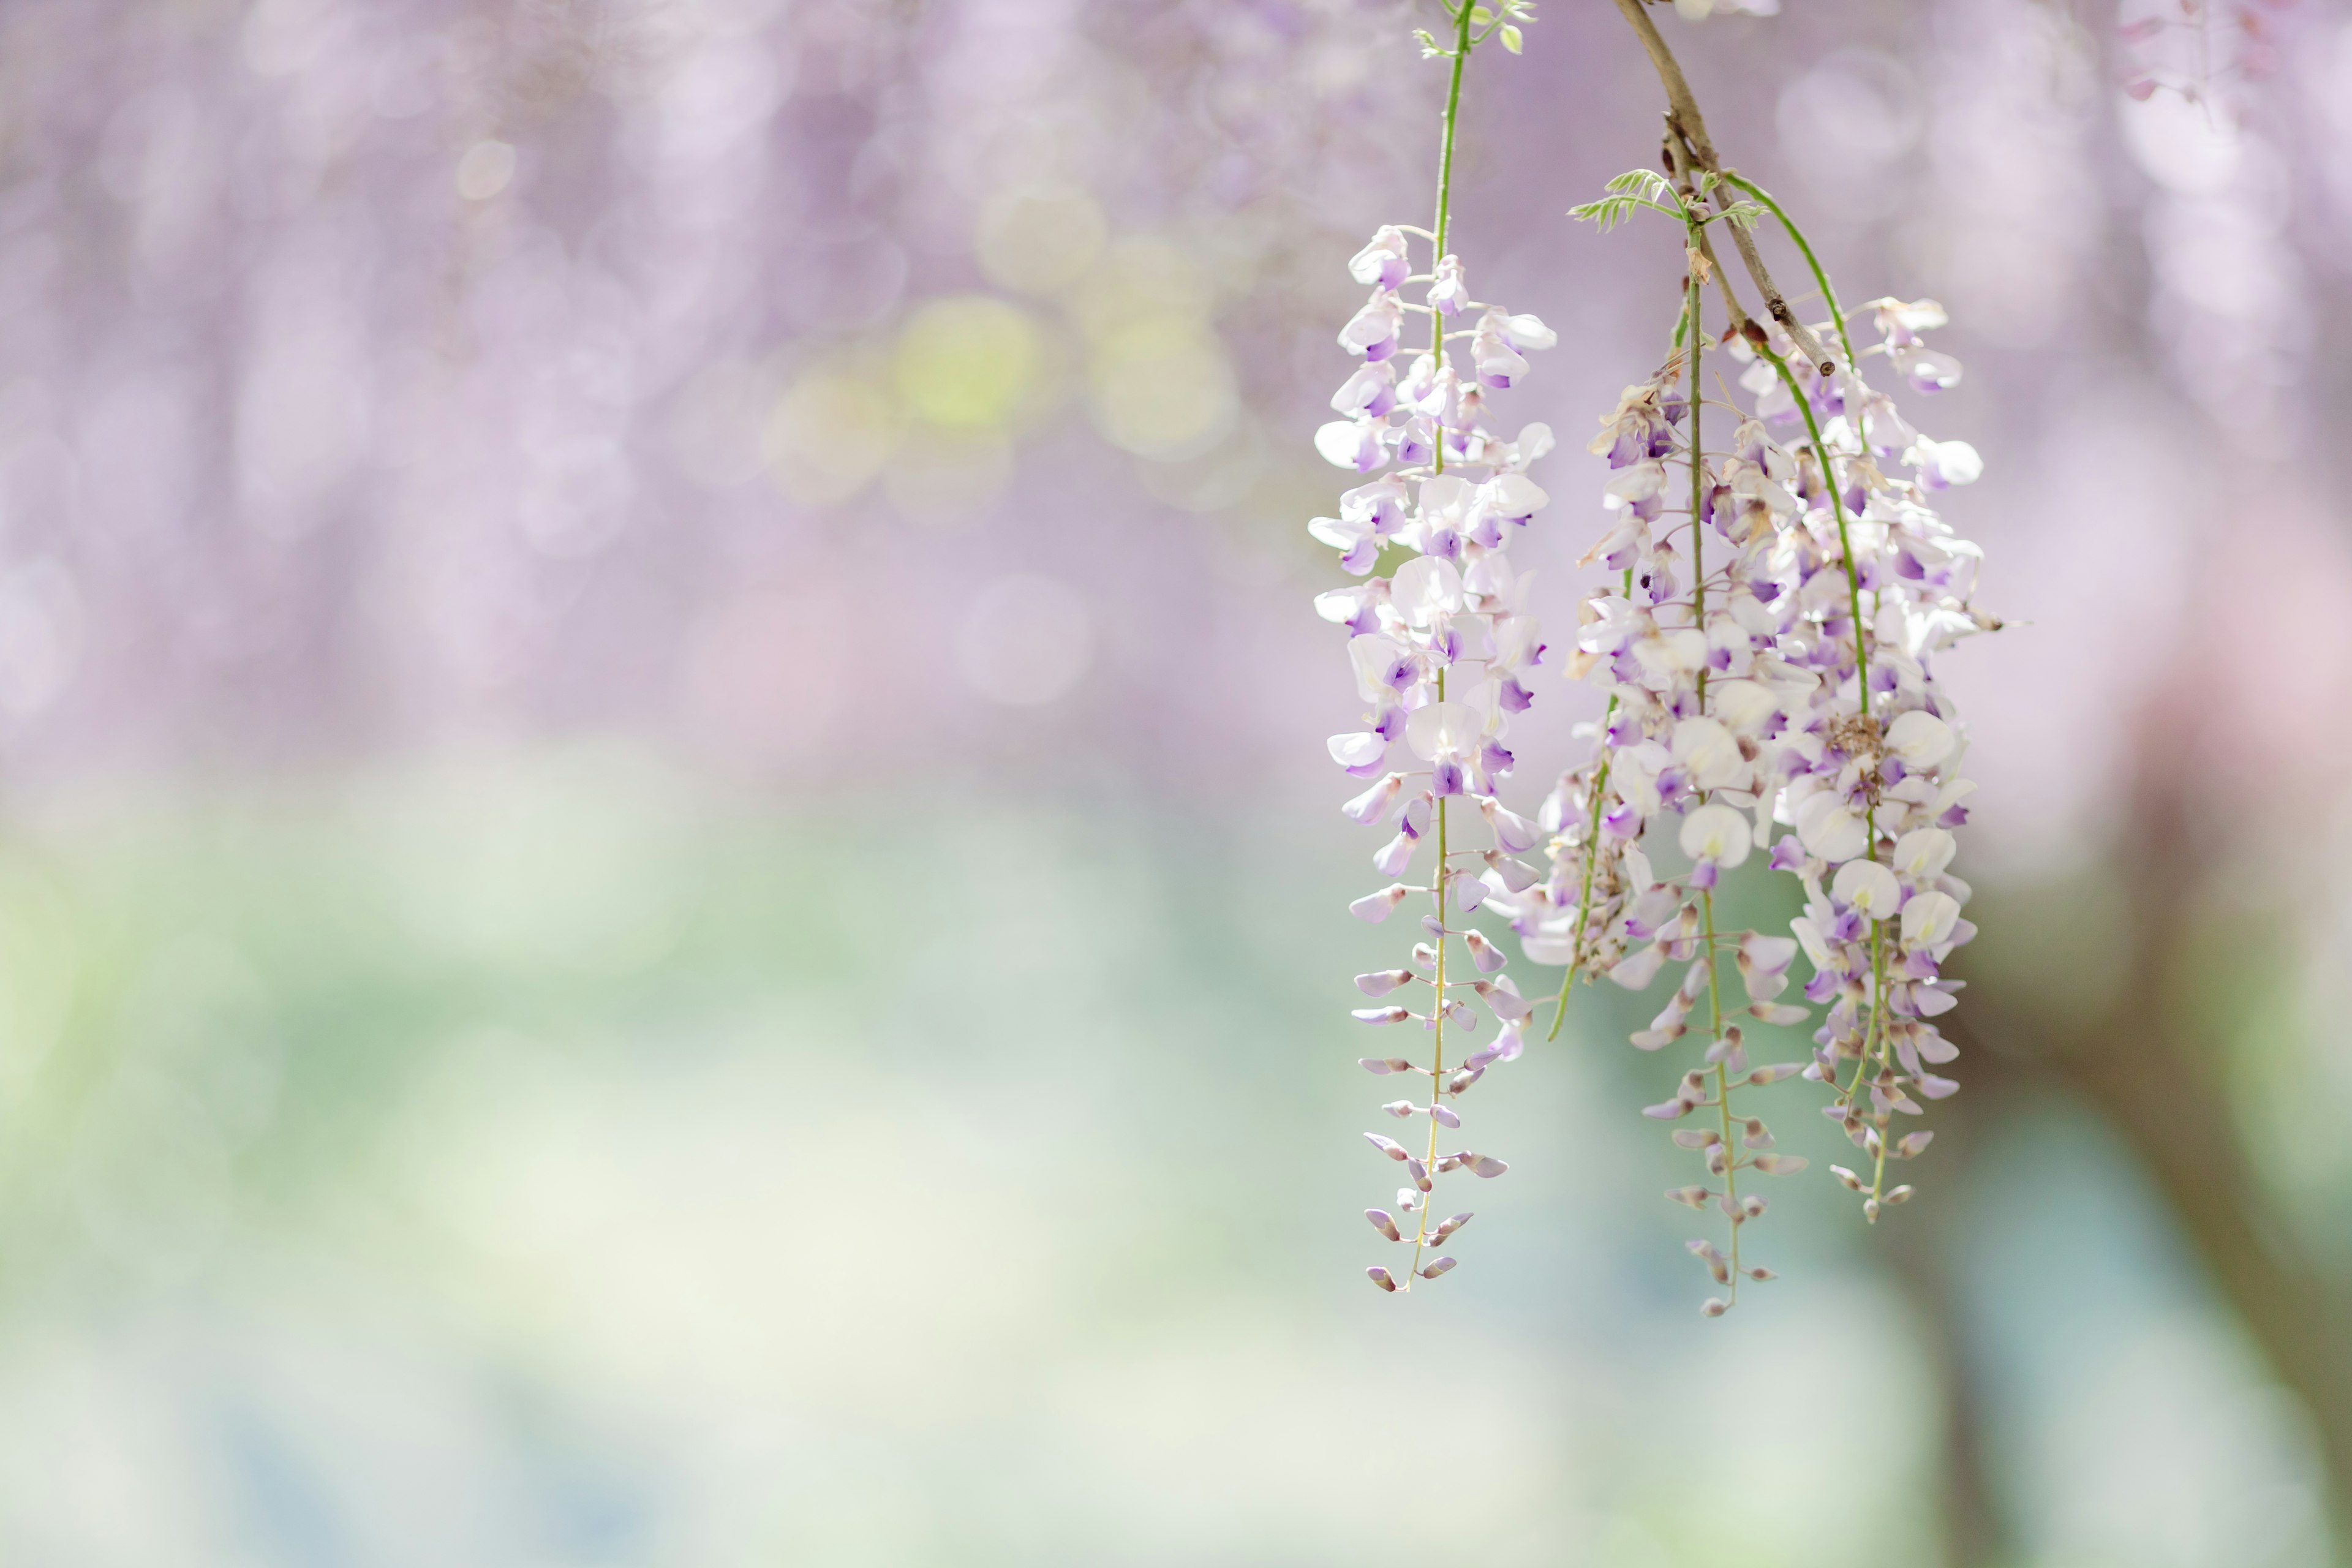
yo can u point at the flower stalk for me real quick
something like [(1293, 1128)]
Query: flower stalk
[(1438, 647)]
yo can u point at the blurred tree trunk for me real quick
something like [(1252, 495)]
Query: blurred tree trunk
[(2145, 1065)]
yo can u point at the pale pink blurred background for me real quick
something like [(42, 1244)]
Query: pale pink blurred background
[(672, 891)]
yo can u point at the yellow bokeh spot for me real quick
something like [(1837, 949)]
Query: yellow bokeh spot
[(1039, 241), (1162, 388), (967, 362), (829, 434)]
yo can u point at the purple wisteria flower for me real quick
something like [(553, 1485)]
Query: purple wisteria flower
[(1767, 641), (1442, 648)]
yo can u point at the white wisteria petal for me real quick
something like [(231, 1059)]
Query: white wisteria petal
[(1924, 852), (1809, 936), (1446, 497), (1340, 533), (1383, 261), (1380, 662), (1425, 588), (1442, 729), (1514, 496), (1717, 833), (1709, 752), (1868, 886), (1528, 332), (1639, 482), (1638, 968), (1350, 443), (1944, 463), (1920, 739), (1745, 706), (1929, 919), (1830, 828), (1677, 652)]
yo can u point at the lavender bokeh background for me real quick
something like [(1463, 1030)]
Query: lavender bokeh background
[(673, 895)]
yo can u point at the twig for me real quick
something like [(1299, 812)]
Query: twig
[(1685, 124)]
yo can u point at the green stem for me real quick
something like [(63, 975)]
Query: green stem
[(1885, 1045), (1723, 1091), (1444, 862), (1821, 275), (1600, 785), (1870, 1025), (1437, 1063), (1445, 203), (1697, 473), (1591, 853), (1862, 682), (1837, 509), (1696, 339)]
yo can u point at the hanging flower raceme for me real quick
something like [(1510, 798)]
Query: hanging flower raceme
[(1767, 639), (1873, 791), (1442, 649), (1767, 649)]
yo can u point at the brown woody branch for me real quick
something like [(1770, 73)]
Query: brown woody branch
[(1678, 164), (1688, 149), (2159, 1076)]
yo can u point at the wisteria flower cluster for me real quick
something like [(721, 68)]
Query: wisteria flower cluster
[(1440, 647), (1767, 651), (1767, 643)]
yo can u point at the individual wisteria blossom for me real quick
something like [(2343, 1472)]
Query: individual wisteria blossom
[(1442, 649), (1767, 643)]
